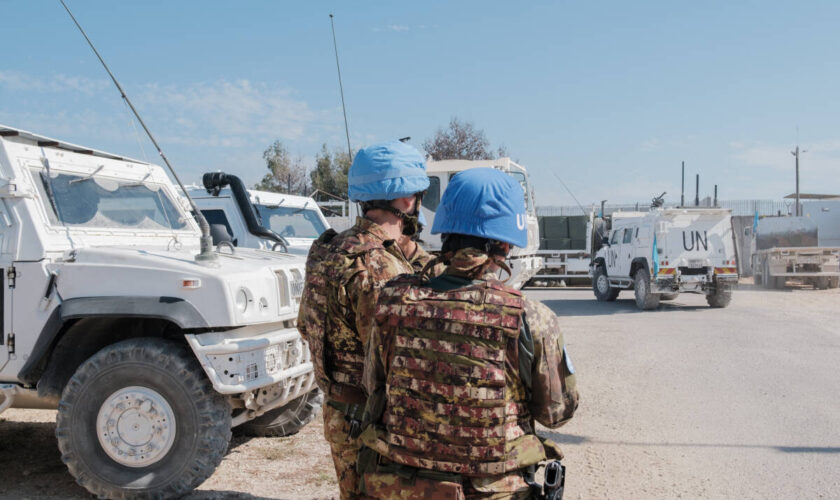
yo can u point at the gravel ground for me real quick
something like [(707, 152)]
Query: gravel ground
[(681, 402)]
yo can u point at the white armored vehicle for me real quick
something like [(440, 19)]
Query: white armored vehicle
[(665, 252), (149, 354), (524, 262), (257, 219)]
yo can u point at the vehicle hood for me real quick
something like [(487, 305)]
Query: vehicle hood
[(271, 280)]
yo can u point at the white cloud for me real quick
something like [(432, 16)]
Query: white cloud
[(399, 28), (232, 114), (821, 156), (649, 145), (818, 165), (18, 81)]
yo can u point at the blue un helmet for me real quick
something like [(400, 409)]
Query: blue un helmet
[(385, 172), (486, 203)]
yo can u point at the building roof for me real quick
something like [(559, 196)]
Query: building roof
[(812, 196)]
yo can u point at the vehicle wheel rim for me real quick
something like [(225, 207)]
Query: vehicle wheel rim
[(136, 426), (603, 285), (640, 286)]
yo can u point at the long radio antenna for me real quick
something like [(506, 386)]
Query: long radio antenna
[(207, 254), (341, 88), (570, 192)]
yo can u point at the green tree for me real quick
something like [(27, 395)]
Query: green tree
[(330, 172), (285, 174)]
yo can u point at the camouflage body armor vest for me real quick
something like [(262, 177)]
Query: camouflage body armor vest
[(455, 401), (337, 352)]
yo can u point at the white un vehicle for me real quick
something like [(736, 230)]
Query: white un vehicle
[(665, 252), (257, 219), (149, 354), (524, 262)]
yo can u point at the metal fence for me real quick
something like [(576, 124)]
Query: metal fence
[(738, 207)]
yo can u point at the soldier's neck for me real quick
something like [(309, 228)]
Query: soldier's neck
[(390, 223)]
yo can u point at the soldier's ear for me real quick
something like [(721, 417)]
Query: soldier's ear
[(403, 204)]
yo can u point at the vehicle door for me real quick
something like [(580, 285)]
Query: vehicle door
[(613, 252), (6, 292), (5, 317), (625, 251)]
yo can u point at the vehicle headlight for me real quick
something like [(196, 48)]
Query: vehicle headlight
[(297, 285), (241, 300)]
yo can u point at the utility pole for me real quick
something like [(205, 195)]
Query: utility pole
[(697, 191), (796, 152)]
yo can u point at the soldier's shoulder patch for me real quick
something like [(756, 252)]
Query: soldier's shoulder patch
[(568, 360)]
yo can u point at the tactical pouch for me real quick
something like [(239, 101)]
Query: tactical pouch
[(552, 449), (384, 485), (352, 414)]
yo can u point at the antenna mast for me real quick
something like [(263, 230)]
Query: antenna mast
[(341, 88), (207, 254)]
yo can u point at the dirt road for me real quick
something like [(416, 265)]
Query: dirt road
[(682, 402)]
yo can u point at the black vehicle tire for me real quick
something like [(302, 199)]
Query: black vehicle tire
[(834, 282), (140, 389), (757, 279), (821, 282), (645, 300), (669, 296), (286, 420), (719, 299), (601, 285), (779, 282)]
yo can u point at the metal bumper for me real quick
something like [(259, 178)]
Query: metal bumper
[(277, 362), (691, 282)]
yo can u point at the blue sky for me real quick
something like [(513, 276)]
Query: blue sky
[(609, 95)]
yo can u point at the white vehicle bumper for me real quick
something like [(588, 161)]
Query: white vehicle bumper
[(243, 360)]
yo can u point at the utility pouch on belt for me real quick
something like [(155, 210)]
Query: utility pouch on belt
[(392, 480), (390, 485), (352, 414)]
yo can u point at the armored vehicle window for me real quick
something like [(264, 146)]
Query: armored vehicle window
[(220, 228), (628, 235), (87, 201), (637, 233), (523, 181), (432, 198), (291, 221), (614, 238)]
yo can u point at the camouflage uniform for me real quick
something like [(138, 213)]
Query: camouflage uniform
[(344, 273), (458, 368)]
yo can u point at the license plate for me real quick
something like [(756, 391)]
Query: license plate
[(695, 263)]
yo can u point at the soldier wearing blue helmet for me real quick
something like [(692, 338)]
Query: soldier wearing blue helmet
[(459, 367), (344, 273)]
